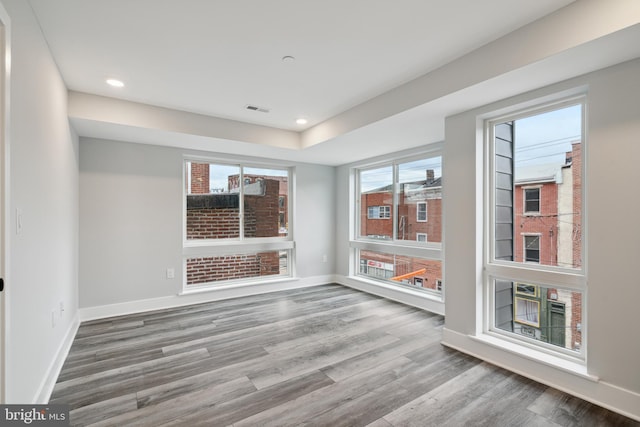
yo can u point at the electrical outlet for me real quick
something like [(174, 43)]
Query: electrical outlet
[(171, 273), (61, 308), (324, 258), (54, 319)]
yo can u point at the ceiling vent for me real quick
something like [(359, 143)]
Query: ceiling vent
[(255, 108)]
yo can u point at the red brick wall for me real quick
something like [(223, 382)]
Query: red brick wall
[(376, 227), (230, 267), (384, 227), (545, 224), (261, 212), (219, 223), (218, 217), (200, 178)]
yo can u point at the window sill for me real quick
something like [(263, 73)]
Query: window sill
[(574, 367), (235, 285)]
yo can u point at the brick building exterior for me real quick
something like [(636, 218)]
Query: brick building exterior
[(217, 216), (419, 218), (547, 231)]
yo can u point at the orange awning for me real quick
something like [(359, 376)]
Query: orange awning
[(409, 275)]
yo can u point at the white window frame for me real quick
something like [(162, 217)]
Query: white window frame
[(429, 250), (193, 248), (524, 247), (524, 200), (419, 235), (384, 212), (542, 275), (426, 217)]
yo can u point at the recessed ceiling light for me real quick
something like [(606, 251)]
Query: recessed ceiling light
[(288, 58), (301, 121), (115, 83)]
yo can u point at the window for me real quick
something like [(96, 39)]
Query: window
[(398, 251), (401, 269), (527, 311), (531, 200), (379, 212), (532, 249), (421, 211), (535, 277), (236, 223)]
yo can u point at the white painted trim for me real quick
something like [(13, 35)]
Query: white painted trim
[(5, 198), (582, 385), (49, 381), (215, 294), (408, 296)]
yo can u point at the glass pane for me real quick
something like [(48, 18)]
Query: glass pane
[(376, 203), (213, 206), (546, 314), (420, 200), (223, 268), (542, 151), (398, 269), (266, 194)]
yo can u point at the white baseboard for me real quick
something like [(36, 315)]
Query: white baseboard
[(591, 389), (215, 294), (407, 296), (49, 381)]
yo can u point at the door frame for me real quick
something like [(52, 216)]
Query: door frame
[(5, 66)]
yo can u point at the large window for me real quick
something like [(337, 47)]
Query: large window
[(405, 249), (236, 225), (536, 282)]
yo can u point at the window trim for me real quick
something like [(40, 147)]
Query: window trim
[(571, 279), (426, 215), (381, 208), (426, 237), (524, 247), (526, 212)]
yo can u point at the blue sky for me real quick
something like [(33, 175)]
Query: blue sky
[(545, 138)]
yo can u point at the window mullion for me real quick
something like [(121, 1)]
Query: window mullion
[(396, 197)]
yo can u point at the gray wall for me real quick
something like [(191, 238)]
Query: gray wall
[(43, 258), (131, 221), (610, 226)]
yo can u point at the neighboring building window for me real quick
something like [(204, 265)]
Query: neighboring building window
[(532, 249), (421, 211), (439, 285), (379, 212), (532, 200), (398, 250), (531, 153), (242, 205)]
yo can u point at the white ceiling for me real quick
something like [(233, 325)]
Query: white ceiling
[(213, 57)]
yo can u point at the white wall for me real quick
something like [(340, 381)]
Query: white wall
[(131, 226), (44, 186), (612, 233)]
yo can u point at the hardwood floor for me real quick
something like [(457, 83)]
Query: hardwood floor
[(321, 356)]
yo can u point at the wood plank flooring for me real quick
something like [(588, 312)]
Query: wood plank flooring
[(321, 356)]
